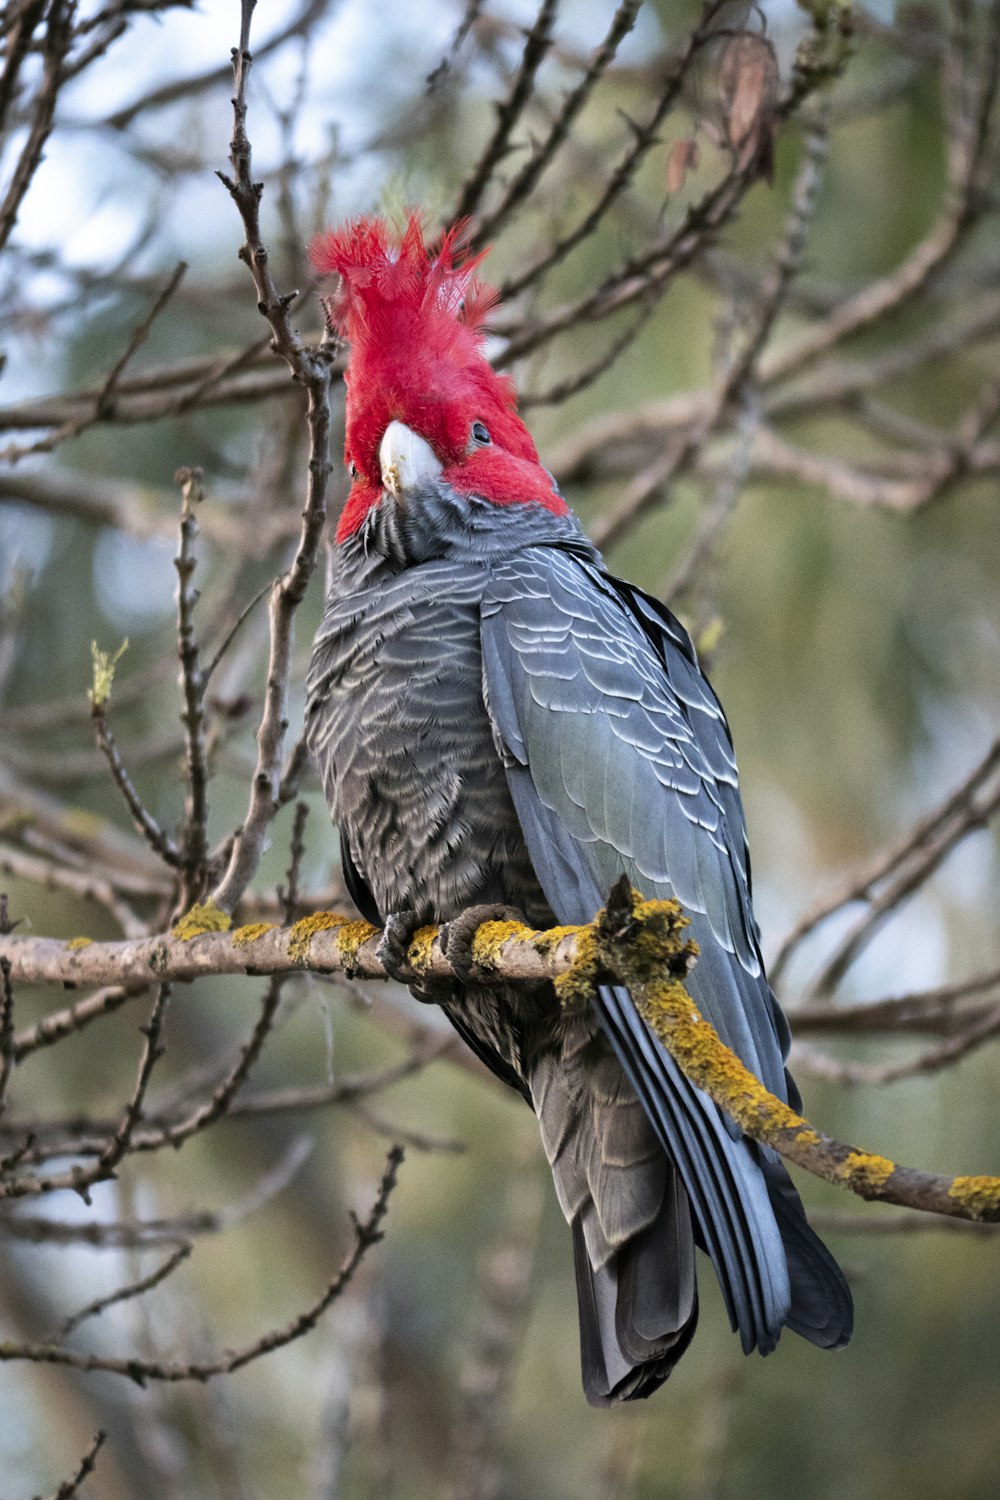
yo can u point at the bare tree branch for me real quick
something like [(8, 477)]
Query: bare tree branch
[(126, 1293), (575, 960), (56, 44), (312, 369), (367, 1232), (899, 871), (537, 42)]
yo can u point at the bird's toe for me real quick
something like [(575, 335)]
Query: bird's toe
[(457, 936)]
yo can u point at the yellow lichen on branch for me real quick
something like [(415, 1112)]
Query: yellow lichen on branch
[(351, 935), (250, 932), (641, 943), (635, 942), (979, 1197), (865, 1169), (303, 932), (201, 918), (420, 953)]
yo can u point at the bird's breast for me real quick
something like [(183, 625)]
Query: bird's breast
[(400, 730)]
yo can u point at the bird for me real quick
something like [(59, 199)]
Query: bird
[(502, 725)]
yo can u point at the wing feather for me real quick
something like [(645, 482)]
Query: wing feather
[(619, 761)]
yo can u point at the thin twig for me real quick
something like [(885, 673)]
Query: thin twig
[(71, 1487), (475, 1463), (367, 1232), (63, 1023), (471, 14), (141, 1234), (945, 1053), (312, 369), (125, 1293), (897, 871), (524, 182), (55, 47), (104, 401), (219, 1104), (80, 1179), (936, 1009), (642, 141), (193, 683), (288, 894), (7, 1057), (59, 875), (156, 837), (891, 292), (906, 1221), (301, 25), (738, 374), (536, 44)]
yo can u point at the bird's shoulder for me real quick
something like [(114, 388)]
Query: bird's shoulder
[(555, 603)]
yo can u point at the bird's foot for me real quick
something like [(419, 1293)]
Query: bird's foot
[(393, 947), (456, 937)]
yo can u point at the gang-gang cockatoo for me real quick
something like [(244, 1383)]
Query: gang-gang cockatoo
[(500, 721)]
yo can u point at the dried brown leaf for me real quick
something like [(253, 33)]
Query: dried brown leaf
[(684, 157), (748, 85)]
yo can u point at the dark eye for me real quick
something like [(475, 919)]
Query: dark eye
[(480, 433), (354, 472)]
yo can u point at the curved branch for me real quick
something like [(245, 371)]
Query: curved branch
[(633, 941)]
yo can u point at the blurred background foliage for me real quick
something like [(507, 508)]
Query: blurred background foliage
[(855, 648)]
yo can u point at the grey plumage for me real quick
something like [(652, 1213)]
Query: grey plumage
[(497, 719)]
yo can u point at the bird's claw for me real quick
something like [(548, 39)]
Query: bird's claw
[(456, 937), (393, 953), (393, 946)]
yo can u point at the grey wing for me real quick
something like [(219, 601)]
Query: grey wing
[(612, 772), (674, 647), (626, 744)]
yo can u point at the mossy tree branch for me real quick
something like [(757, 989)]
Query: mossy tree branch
[(633, 941)]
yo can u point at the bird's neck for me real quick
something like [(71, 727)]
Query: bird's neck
[(439, 523)]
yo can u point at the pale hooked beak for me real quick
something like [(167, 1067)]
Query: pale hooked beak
[(406, 460)]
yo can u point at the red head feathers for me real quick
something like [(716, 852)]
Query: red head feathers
[(413, 317)]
